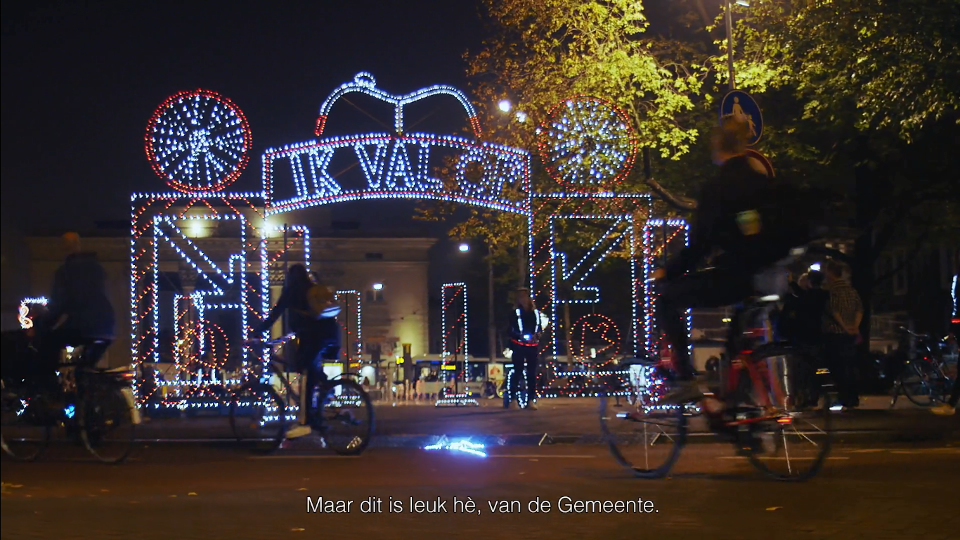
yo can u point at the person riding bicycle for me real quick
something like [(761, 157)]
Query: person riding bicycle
[(78, 311), (746, 222), (308, 306)]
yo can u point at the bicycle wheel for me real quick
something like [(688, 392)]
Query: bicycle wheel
[(917, 383), (790, 441), (345, 418), (106, 423), (258, 415), (25, 431), (644, 436)]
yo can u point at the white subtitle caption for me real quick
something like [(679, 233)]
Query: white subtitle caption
[(468, 505)]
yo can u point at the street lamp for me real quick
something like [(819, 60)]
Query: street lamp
[(728, 5), (505, 105), (378, 286), (464, 247)]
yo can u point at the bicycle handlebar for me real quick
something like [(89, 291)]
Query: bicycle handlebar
[(269, 342), (907, 331)]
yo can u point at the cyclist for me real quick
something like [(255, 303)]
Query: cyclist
[(744, 220), (317, 335), (79, 310)]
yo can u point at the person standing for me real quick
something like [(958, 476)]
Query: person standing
[(950, 407), (841, 330), (526, 325)]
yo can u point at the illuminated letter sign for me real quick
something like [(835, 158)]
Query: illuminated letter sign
[(397, 165)]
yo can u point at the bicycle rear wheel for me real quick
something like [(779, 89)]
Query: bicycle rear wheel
[(643, 435), (258, 415), (791, 441), (107, 423), (25, 431), (917, 384), (345, 418)]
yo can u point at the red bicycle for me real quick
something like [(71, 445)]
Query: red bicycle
[(772, 402)]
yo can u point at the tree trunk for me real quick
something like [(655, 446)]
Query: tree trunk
[(865, 252)]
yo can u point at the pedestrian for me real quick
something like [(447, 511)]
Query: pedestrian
[(841, 331), (79, 310), (950, 406), (526, 325), (311, 315)]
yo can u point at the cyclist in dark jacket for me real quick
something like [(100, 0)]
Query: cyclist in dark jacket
[(78, 306), (79, 310), (317, 338), (750, 220)]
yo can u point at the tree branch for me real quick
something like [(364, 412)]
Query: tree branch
[(677, 201)]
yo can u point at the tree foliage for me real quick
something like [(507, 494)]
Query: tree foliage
[(540, 52), (869, 64)]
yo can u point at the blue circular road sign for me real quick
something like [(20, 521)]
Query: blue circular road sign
[(740, 104)]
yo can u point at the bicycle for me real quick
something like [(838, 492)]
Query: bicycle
[(923, 380), (335, 403), (771, 398), (94, 405)]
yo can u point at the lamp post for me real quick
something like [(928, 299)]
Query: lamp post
[(728, 15), (729, 20)]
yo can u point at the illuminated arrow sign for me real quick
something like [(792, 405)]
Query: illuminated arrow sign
[(219, 279), (572, 278)]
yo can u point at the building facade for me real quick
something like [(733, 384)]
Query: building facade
[(390, 275)]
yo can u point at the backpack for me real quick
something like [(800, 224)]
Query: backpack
[(322, 303)]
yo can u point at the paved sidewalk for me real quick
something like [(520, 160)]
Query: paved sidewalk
[(562, 421)]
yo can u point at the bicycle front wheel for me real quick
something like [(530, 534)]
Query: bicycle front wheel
[(107, 423), (792, 438), (644, 437), (25, 431), (345, 417), (258, 415)]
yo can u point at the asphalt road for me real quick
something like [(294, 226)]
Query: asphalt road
[(188, 490)]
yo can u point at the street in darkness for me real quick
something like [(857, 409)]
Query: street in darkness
[(188, 490)]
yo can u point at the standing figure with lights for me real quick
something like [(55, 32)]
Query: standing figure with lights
[(311, 315), (526, 326)]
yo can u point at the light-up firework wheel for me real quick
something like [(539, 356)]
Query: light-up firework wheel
[(198, 141), (597, 332), (587, 141)]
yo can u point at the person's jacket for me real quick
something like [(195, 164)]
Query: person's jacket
[(525, 326), (294, 300), (79, 291), (752, 220)]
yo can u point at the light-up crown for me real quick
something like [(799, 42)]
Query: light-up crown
[(365, 83)]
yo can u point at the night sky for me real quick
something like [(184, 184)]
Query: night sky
[(81, 79)]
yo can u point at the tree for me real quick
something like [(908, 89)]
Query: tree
[(539, 53), (875, 88)]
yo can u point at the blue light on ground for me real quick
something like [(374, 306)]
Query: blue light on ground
[(461, 445)]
